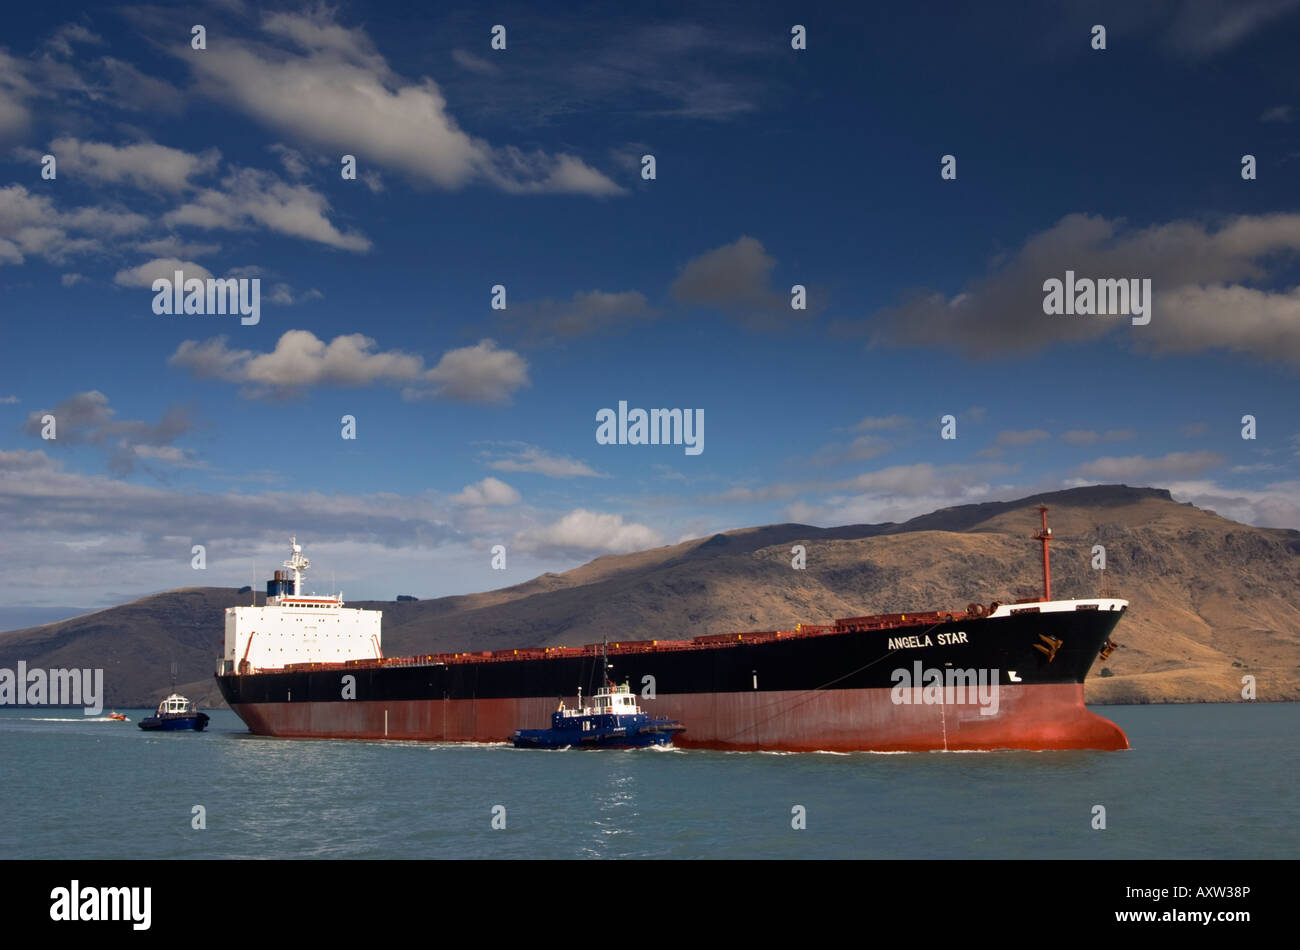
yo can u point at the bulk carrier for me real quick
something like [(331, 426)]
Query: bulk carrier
[(1006, 676)]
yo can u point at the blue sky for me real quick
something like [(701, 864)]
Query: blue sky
[(521, 167)]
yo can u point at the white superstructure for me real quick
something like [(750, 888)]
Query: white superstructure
[(297, 628)]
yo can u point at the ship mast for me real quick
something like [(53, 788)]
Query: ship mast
[(296, 563), (1045, 536)]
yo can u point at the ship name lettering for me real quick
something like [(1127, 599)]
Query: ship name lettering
[(902, 643)]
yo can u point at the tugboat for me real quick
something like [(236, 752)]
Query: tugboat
[(175, 714), (612, 721)]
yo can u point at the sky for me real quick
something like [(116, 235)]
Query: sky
[(920, 170)]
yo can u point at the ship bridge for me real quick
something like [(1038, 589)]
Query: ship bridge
[(294, 627)]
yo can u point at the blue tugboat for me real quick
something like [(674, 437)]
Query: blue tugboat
[(612, 721), (175, 714)]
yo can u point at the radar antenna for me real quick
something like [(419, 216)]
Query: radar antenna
[(297, 564)]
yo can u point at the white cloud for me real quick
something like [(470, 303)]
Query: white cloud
[(251, 197), (286, 296), (146, 166), (480, 373), (170, 454), (30, 225), (300, 359), (531, 458), (490, 491), (69, 33), (1138, 467), (1273, 506), (474, 64), (162, 267), (1263, 324), (873, 423), (1195, 272), (588, 532), (326, 84)]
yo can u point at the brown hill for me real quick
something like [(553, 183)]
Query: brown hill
[(1212, 599)]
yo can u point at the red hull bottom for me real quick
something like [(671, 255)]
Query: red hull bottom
[(1037, 717)]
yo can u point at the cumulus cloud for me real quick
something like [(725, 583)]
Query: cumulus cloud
[(736, 278), (586, 532), (481, 373), (160, 268), (311, 78), (1196, 273), (30, 225), (146, 166), (490, 491), (300, 360), (1273, 506)]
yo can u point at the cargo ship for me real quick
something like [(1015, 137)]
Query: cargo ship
[(1002, 676)]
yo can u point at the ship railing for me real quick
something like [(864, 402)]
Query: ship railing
[(625, 647)]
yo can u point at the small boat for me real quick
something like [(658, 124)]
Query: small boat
[(612, 721), (117, 715), (175, 713)]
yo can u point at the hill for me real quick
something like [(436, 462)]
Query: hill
[(1211, 599)]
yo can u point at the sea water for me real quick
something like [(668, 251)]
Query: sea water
[(1201, 781)]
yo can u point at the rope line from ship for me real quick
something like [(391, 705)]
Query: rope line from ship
[(796, 704)]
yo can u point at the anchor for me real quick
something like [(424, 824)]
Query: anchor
[(1053, 644)]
